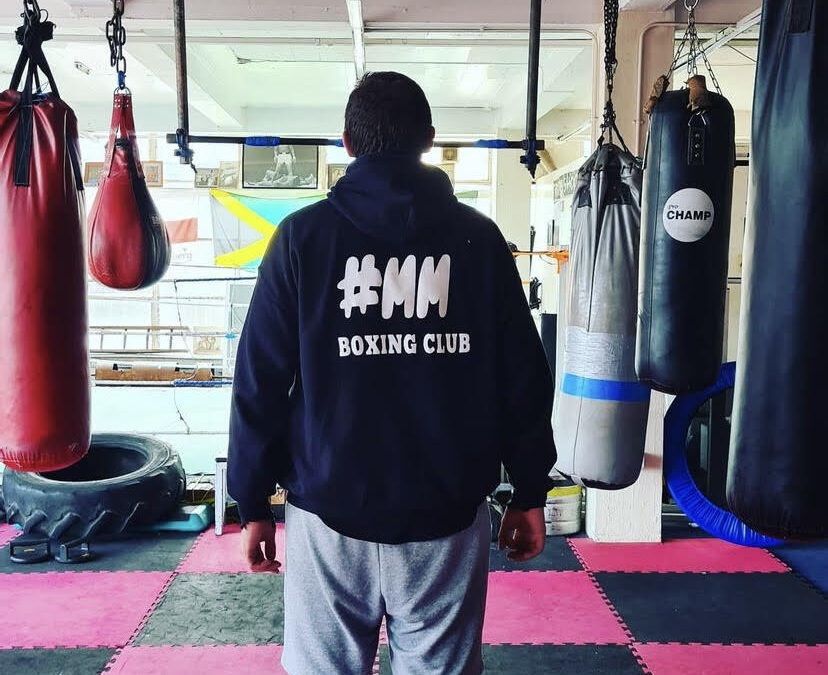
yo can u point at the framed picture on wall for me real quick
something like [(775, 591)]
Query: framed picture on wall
[(449, 154), (154, 173), (92, 173), (286, 167), (335, 172), (229, 174), (207, 178)]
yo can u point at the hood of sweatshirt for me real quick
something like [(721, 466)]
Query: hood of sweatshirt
[(391, 196)]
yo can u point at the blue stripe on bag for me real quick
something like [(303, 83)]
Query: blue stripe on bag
[(604, 390)]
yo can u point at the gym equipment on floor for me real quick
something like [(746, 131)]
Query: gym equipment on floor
[(124, 481), (707, 515)]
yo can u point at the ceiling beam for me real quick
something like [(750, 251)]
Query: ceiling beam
[(358, 30), (725, 36), (645, 5), (218, 10), (471, 13), (207, 94), (719, 11)]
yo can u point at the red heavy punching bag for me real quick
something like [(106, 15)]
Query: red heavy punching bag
[(44, 371), (128, 243)]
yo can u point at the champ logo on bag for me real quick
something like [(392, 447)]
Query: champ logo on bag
[(688, 215)]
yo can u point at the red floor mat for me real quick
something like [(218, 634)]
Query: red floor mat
[(680, 555), (76, 609), (223, 554), (211, 660), (671, 659), (548, 608)]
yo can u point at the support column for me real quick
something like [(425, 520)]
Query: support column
[(634, 514), (512, 193)]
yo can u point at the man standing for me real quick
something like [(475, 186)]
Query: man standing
[(388, 366)]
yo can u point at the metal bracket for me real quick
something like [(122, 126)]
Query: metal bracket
[(28, 549), (73, 551)]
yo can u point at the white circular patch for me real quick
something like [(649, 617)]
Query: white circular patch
[(688, 214)]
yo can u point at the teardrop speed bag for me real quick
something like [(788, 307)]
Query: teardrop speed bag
[(44, 364), (600, 415), (128, 244), (685, 236), (778, 459)]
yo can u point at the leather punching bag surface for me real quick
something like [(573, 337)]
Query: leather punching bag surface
[(600, 414), (778, 458), (685, 236), (44, 369), (128, 244)]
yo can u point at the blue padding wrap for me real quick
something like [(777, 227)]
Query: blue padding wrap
[(265, 141), (495, 143), (711, 518), (340, 143), (604, 390)]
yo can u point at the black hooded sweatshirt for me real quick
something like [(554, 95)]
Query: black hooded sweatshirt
[(389, 363)]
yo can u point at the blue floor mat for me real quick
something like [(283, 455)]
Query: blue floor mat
[(807, 560)]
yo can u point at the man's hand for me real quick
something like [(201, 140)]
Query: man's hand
[(523, 533), (253, 536)]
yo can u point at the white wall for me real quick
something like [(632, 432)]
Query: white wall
[(512, 190)]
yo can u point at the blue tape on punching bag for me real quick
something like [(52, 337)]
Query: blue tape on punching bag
[(604, 390), (711, 518)]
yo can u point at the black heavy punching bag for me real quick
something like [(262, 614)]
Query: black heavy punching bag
[(778, 456), (685, 234)]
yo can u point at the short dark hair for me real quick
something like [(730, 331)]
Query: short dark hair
[(387, 112)]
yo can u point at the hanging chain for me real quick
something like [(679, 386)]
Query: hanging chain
[(610, 62), (116, 37), (691, 41), (710, 70)]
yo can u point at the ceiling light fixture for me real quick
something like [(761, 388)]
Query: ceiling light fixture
[(82, 67)]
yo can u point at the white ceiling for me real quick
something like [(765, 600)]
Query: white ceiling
[(286, 67), (294, 78), (459, 12)]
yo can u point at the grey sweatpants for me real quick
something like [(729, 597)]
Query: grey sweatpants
[(432, 595)]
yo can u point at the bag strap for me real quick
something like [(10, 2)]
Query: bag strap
[(122, 131), (30, 37)]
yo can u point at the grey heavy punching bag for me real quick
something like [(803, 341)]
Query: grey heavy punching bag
[(600, 415), (685, 236), (778, 458)]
